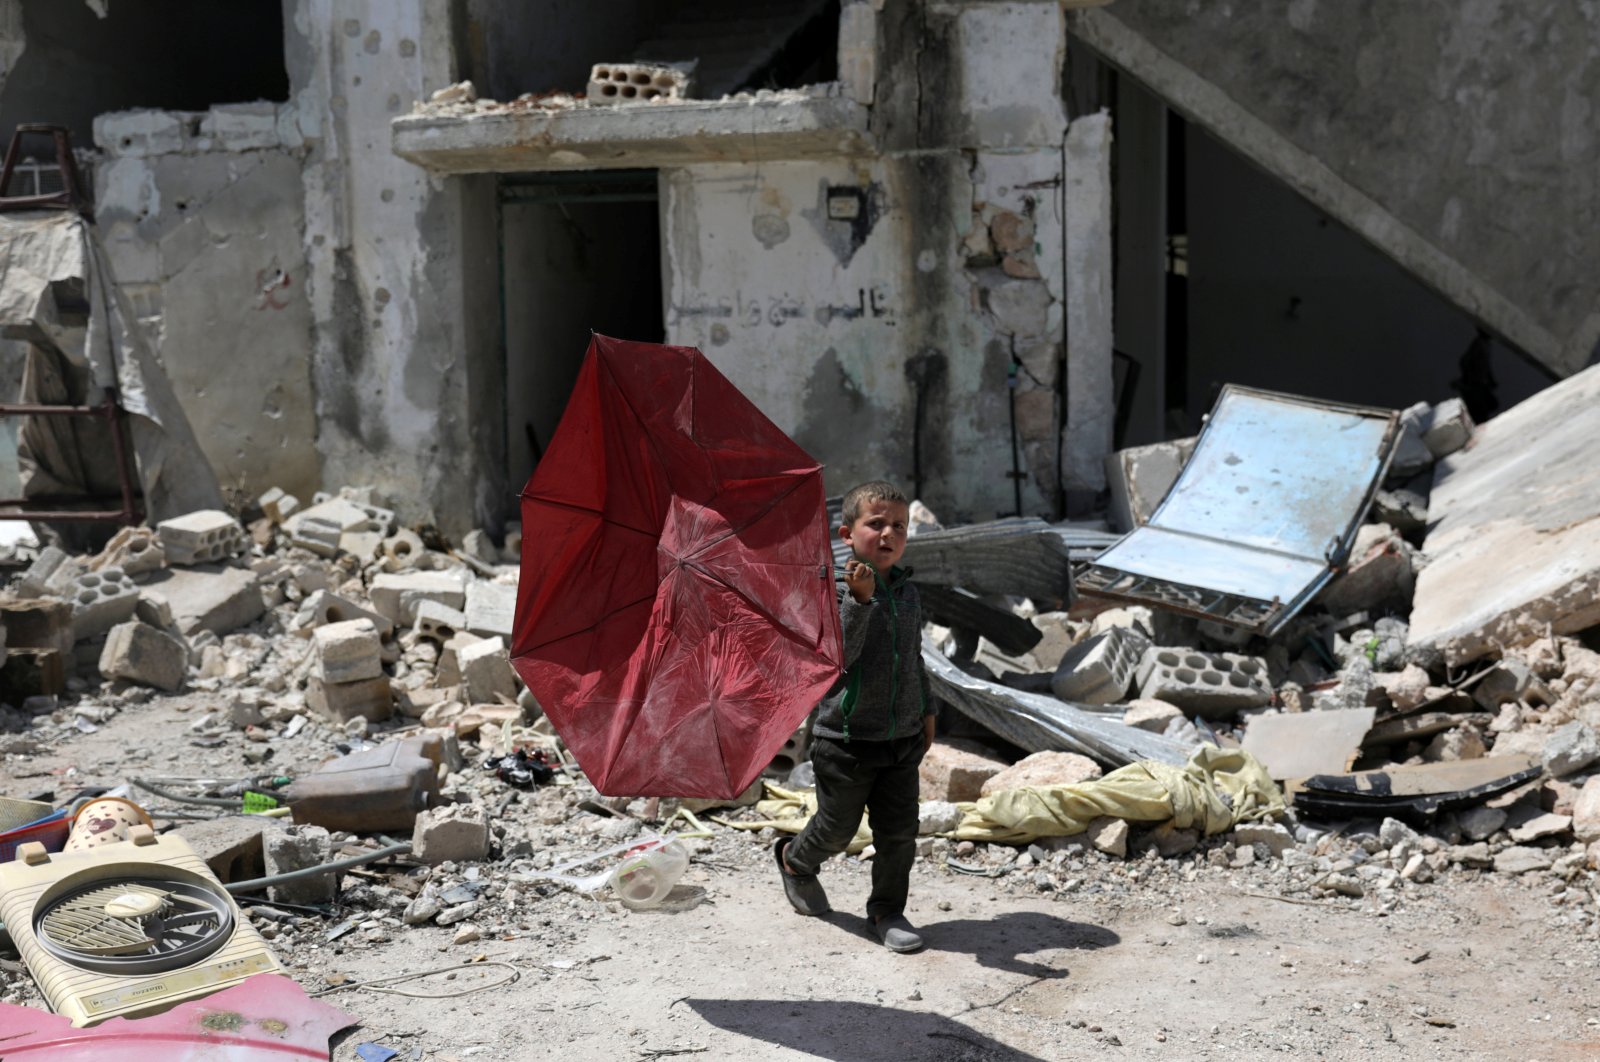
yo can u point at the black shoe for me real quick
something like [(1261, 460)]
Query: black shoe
[(896, 933), (804, 890)]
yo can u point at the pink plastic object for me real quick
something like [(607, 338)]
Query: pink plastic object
[(265, 1019)]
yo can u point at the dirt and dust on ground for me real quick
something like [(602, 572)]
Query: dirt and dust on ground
[(185, 667)]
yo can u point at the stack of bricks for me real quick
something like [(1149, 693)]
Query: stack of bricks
[(348, 678)]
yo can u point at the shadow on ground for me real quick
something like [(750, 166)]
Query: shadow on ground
[(997, 943), (848, 1031)]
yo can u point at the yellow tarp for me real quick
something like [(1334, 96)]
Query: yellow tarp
[(1213, 792)]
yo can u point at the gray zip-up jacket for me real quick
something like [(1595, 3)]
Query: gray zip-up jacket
[(882, 694)]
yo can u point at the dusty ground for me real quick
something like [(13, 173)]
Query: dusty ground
[(1151, 958)]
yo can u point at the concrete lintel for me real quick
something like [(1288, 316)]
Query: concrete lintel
[(518, 139), (1201, 101)]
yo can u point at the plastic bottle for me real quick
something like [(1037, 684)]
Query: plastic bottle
[(644, 878)]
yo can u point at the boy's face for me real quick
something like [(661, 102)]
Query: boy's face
[(879, 533)]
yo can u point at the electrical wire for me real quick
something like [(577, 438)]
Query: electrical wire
[(383, 984), (207, 802)]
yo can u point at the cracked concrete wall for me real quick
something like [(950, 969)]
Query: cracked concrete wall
[(402, 273), (833, 292), (1458, 138), (202, 218)]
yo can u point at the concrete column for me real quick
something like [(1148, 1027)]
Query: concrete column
[(402, 284), (1090, 405)]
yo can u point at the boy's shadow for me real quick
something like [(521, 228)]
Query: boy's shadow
[(997, 942), (850, 1031)]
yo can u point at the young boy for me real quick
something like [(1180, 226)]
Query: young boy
[(874, 725)]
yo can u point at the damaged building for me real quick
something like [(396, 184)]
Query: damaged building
[(972, 246)]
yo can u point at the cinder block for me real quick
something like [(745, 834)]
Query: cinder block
[(386, 590), (299, 848), (315, 534), (454, 833), (43, 623), (486, 672), (137, 652), (448, 673), (135, 134), (348, 652), (362, 545), (343, 701), (1209, 685), (241, 126), (1449, 428), (640, 82), (491, 607), (202, 537), (134, 550), (401, 550), (100, 601), (325, 606), (1139, 478), (278, 505), (42, 575), (439, 622), (1099, 670), (795, 751)]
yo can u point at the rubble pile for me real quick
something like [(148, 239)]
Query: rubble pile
[(354, 673)]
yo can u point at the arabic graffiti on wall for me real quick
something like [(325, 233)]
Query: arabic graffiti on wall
[(776, 311)]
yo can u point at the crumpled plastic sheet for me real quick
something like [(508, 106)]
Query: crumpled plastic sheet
[(1040, 723), (1215, 790), (39, 251)]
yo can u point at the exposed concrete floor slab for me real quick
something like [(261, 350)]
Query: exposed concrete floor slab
[(512, 138), (1514, 541)]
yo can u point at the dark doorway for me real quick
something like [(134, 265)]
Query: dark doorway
[(580, 252)]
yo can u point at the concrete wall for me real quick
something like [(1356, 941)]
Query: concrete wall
[(1459, 138), (203, 221), (405, 358), (830, 292), (831, 323)]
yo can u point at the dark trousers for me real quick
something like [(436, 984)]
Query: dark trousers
[(880, 777)]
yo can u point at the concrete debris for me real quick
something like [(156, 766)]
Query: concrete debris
[(100, 601), (300, 848), (956, 772), (137, 652), (1042, 769), (456, 833), (1307, 743), (348, 652), (1140, 478)]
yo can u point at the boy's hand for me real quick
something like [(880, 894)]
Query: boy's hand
[(861, 580), (928, 722)]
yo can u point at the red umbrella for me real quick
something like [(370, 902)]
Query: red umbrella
[(676, 615)]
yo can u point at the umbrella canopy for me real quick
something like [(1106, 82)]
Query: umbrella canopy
[(676, 615)]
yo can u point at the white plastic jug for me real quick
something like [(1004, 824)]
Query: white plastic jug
[(649, 872)]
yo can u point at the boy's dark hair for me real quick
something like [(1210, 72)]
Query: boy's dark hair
[(876, 490)]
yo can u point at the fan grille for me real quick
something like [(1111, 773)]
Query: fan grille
[(180, 923)]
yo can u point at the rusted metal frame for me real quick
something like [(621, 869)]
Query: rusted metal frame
[(111, 410), (1200, 602), (71, 196)]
